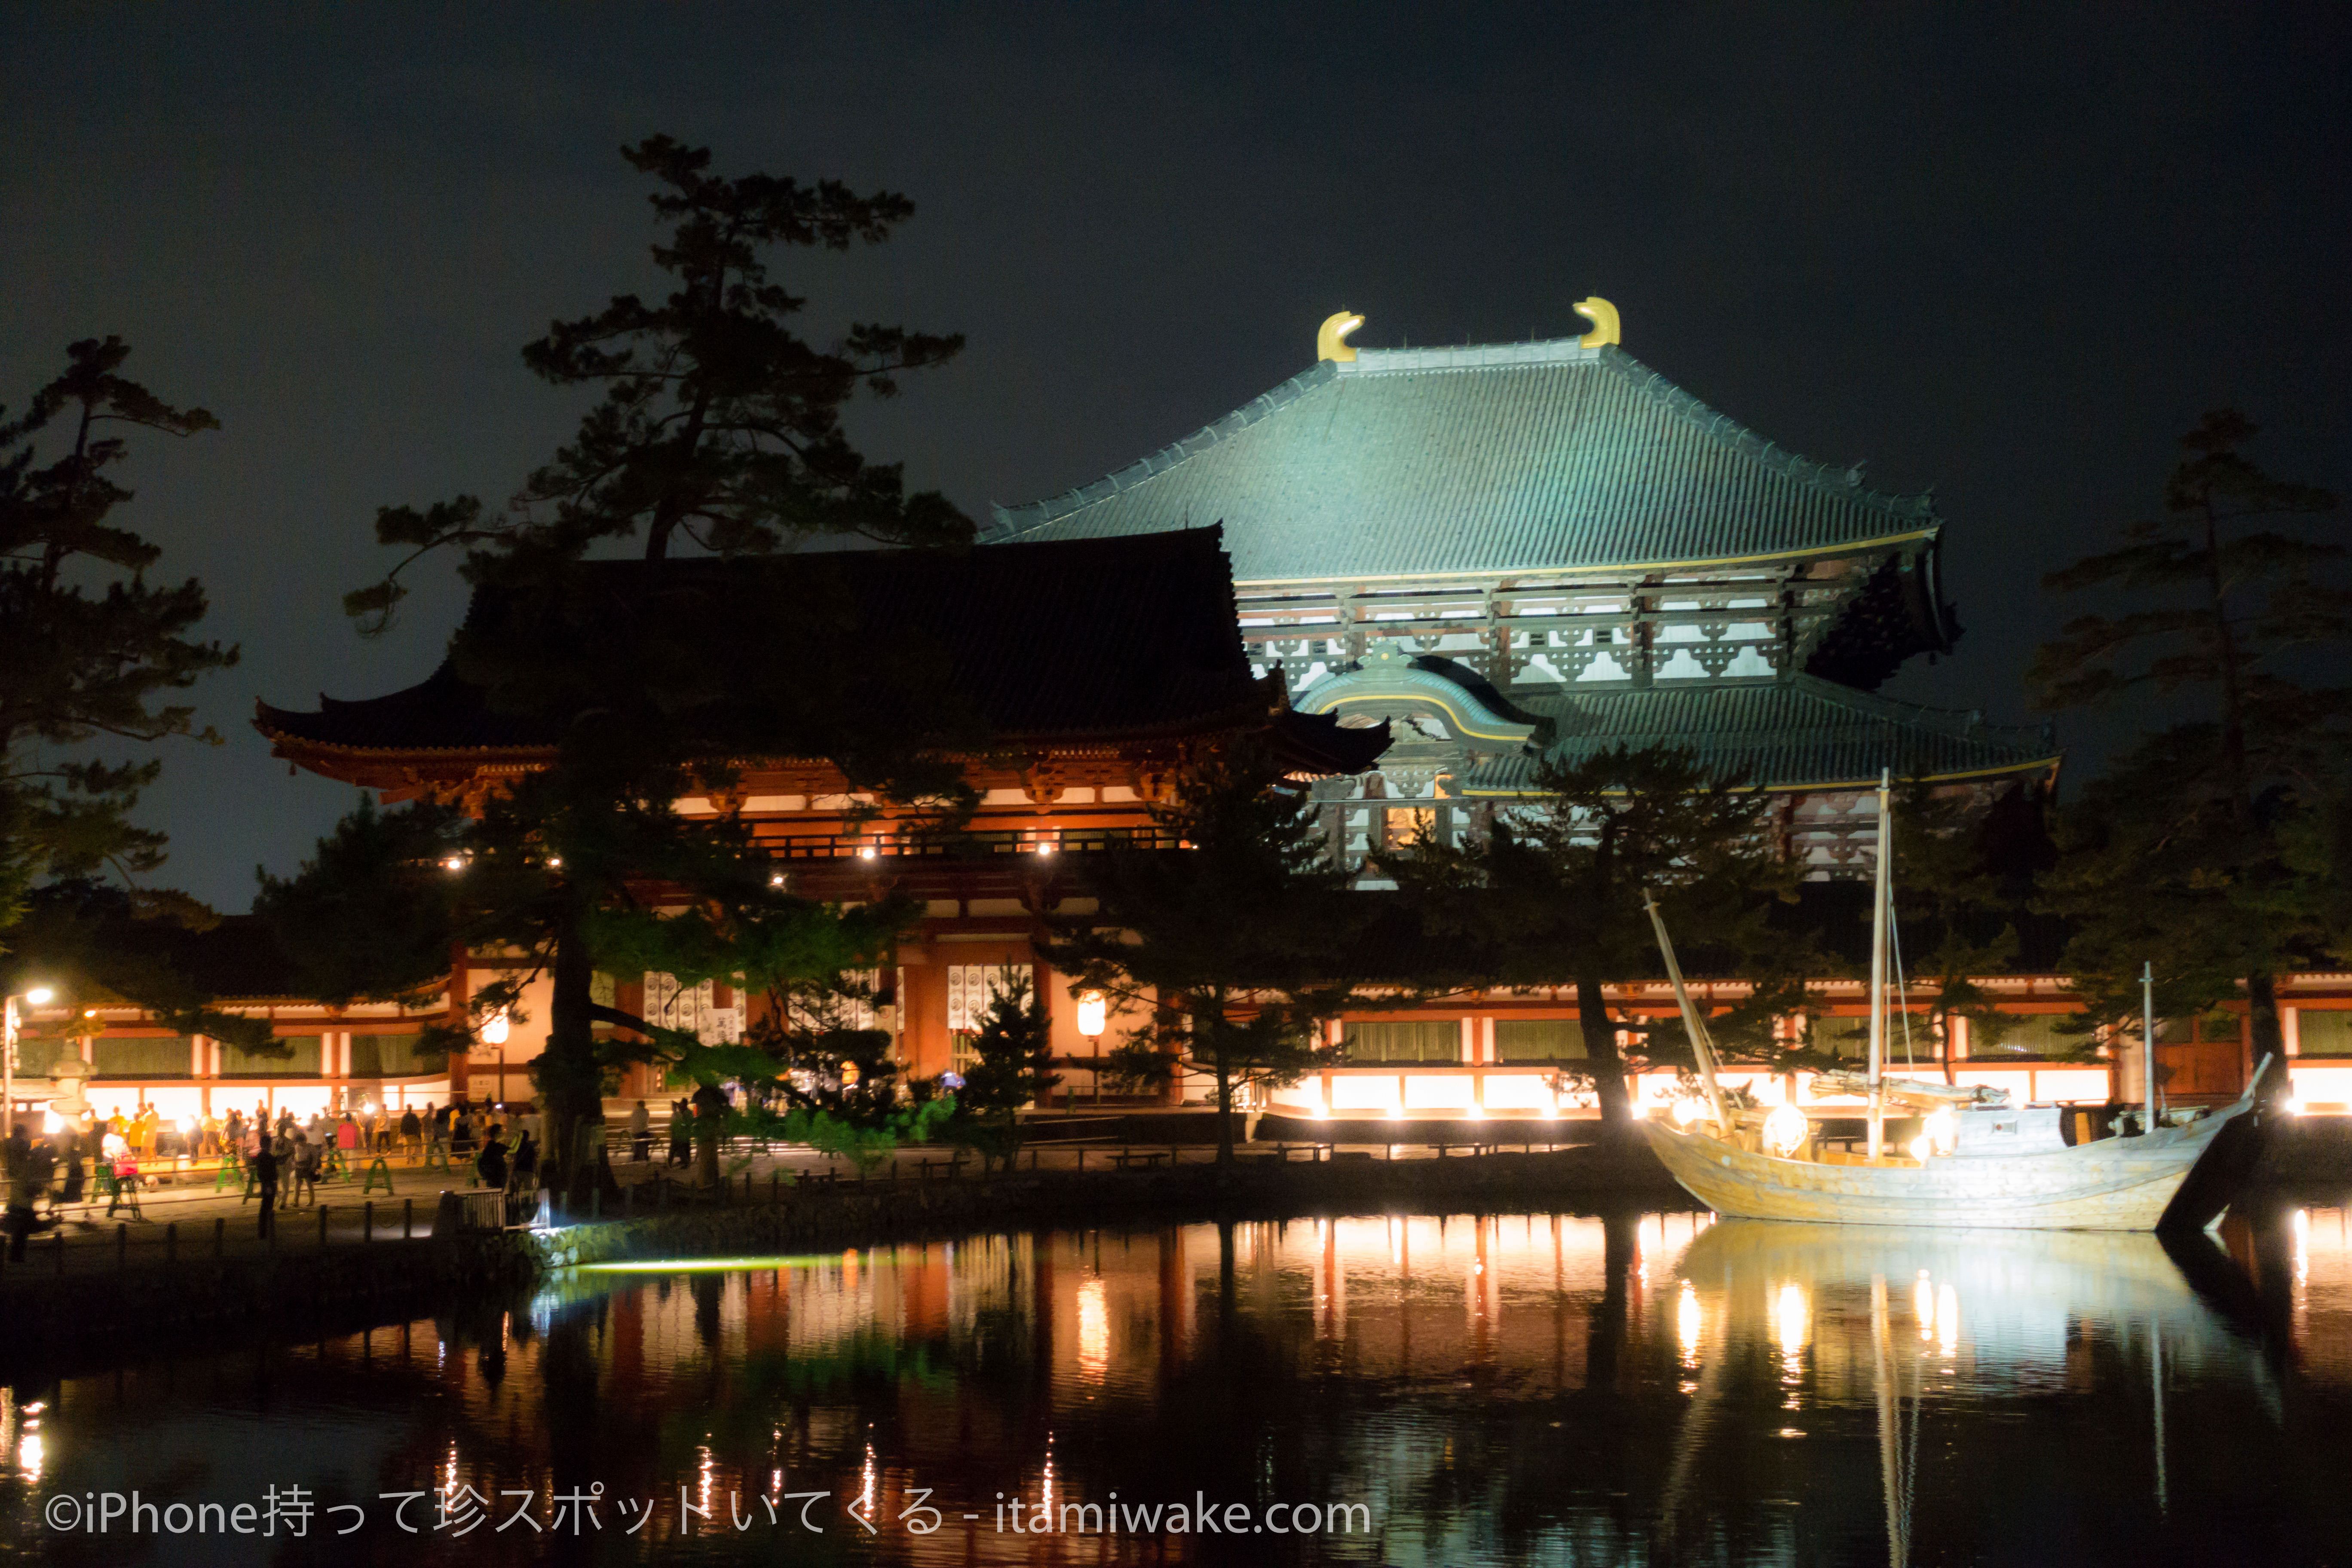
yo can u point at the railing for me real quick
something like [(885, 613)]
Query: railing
[(1042, 842), (192, 1243)]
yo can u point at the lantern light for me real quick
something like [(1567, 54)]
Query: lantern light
[(867, 852), (1685, 1111), (1785, 1130), (1943, 1130), (1921, 1147), (1093, 1013), (494, 1028), (40, 995)]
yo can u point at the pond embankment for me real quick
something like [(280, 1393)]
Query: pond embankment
[(100, 1295), (323, 1283)]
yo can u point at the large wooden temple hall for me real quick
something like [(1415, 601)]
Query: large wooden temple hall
[(1421, 569)]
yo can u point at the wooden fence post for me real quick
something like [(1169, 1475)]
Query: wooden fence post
[(171, 1243), (407, 1219), (220, 1238), (122, 1245), (322, 1227), (367, 1220)]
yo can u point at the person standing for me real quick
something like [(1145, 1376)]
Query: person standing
[(308, 1157), (681, 1136), (490, 1166), (282, 1146), (412, 1134), (70, 1144), (641, 1133), (263, 1161), (17, 1161), (44, 1160)]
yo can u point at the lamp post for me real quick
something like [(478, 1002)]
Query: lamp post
[(9, 1023), (1093, 1013), (494, 1033)]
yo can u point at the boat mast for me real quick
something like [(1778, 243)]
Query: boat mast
[(2148, 1044), (1702, 1044), (1878, 914)]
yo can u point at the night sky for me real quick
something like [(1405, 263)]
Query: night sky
[(2013, 261)]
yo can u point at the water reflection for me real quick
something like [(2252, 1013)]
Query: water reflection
[(1631, 1388)]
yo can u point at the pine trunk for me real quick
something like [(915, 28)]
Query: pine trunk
[(2269, 1039), (1607, 1065), (569, 1088), (1224, 1113)]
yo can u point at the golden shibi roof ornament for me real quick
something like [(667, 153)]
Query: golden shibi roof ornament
[(1331, 337), (1606, 329)]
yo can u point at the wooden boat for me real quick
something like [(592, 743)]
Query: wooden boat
[(1992, 1166), (2115, 1183)]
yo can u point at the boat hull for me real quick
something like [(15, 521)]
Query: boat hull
[(2115, 1183)]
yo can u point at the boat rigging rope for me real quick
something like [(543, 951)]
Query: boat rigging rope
[(1902, 993)]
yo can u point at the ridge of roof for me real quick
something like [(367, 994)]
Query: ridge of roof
[(1007, 520), (1084, 641), (1010, 521), (1795, 732)]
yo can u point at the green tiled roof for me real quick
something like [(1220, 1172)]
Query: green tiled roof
[(1801, 733), (1517, 458)]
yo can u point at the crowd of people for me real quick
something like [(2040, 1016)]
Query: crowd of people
[(286, 1155)]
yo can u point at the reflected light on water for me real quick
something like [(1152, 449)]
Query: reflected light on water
[(1094, 1329), (1312, 1359), (1789, 1322)]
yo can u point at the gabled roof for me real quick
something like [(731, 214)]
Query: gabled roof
[(1797, 734), (1509, 458), (1086, 640)]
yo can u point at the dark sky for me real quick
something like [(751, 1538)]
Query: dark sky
[(2010, 259)]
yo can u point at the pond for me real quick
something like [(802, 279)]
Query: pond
[(1377, 1389)]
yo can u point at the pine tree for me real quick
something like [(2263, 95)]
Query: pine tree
[(1013, 1068), (1232, 949), (1551, 895), (1956, 915), (2184, 853), (92, 653), (719, 431)]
